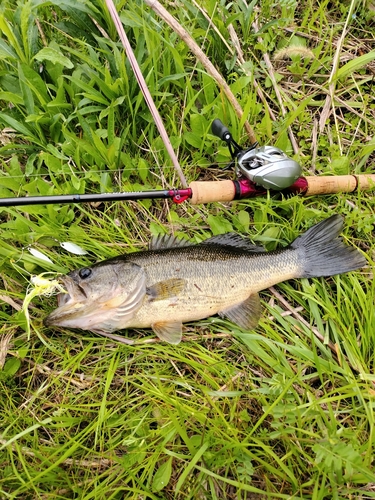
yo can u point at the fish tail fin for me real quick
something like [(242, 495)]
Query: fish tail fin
[(323, 253)]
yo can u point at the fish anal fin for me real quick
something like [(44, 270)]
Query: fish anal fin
[(246, 314), (166, 289), (169, 331)]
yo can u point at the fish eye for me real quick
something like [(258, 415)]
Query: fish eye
[(85, 272)]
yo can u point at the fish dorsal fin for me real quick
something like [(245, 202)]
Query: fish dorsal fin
[(246, 314), (166, 289), (169, 331), (167, 241), (233, 240)]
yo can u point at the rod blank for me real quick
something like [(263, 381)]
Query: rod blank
[(201, 192), (87, 198)]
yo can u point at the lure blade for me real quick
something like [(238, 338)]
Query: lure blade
[(73, 248), (39, 255)]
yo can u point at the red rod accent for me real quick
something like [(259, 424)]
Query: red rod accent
[(180, 195)]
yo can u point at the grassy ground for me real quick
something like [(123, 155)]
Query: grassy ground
[(285, 411)]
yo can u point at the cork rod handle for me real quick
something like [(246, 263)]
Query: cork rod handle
[(222, 191), (339, 184), (211, 191)]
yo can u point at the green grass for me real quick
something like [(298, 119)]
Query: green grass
[(285, 411)]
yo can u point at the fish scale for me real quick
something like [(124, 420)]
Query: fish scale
[(166, 286)]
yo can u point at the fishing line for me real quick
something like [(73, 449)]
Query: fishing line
[(119, 171), (258, 169)]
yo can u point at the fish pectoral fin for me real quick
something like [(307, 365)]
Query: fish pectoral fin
[(246, 314), (169, 331), (166, 289)]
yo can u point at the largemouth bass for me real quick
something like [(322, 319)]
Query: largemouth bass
[(175, 282)]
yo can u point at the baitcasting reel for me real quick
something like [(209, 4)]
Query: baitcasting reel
[(266, 166)]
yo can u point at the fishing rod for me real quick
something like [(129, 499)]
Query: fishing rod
[(258, 170)]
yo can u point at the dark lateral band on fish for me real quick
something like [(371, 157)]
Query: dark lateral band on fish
[(175, 281)]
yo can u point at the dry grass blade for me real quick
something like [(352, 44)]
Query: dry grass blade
[(335, 64), (5, 342), (241, 59), (203, 59), (333, 348), (274, 412), (11, 302), (94, 463), (271, 74), (146, 93), (294, 312)]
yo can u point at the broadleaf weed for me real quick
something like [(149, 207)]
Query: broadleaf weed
[(283, 411)]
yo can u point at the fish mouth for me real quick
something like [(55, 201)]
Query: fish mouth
[(63, 298), (74, 291), (64, 314), (69, 305)]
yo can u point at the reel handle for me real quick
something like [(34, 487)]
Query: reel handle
[(220, 130)]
